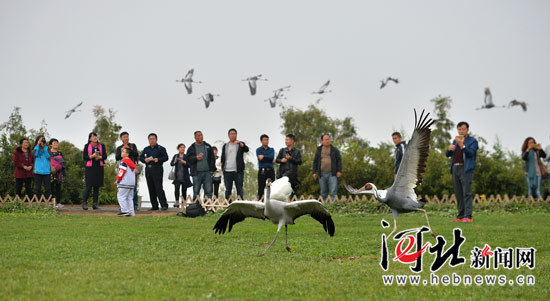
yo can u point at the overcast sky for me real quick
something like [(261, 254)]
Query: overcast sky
[(127, 55)]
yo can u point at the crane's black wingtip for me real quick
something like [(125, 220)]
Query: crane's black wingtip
[(330, 226)]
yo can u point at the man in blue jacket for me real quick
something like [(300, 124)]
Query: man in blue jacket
[(462, 161)]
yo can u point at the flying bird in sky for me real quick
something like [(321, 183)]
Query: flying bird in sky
[(71, 111), (488, 101), (323, 89), (208, 98), (277, 94), (282, 89), (516, 102), (188, 81), (387, 80), (252, 82)]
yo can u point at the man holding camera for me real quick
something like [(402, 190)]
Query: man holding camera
[(462, 153), (289, 158)]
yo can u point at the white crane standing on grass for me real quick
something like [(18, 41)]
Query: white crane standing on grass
[(400, 197), (278, 211)]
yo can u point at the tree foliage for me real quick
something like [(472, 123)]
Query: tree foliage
[(106, 128), (441, 134), (73, 184)]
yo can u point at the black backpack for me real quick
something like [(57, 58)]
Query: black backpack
[(194, 210)]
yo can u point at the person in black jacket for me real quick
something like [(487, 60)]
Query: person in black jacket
[(94, 155), (134, 156), (153, 156), (203, 165), (399, 151), (289, 158), (233, 164), (181, 170), (327, 167)]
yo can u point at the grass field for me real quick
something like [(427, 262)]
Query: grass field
[(104, 257)]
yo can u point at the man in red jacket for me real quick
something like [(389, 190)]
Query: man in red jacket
[(24, 162)]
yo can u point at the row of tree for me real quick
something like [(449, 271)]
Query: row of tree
[(497, 171), (13, 130)]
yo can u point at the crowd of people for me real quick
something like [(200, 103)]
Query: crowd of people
[(202, 168)]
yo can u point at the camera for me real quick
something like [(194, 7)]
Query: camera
[(43, 140)]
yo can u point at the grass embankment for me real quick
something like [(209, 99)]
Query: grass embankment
[(101, 257)]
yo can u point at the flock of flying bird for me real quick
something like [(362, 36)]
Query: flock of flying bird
[(489, 104), (278, 94)]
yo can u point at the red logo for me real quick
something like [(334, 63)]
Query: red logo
[(403, 256)]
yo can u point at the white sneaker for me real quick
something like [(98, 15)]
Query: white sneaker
[(58, 206)]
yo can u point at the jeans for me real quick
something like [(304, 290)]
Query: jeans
[(205, 179), (535, 191), (329, 183), (462, 183)]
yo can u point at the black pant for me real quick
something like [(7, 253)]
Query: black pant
[(95, 196), (233, 176), (19, 186), (56, 187), (40, 180), (177, 187), (153, 175), (216, 184), (263, 175)]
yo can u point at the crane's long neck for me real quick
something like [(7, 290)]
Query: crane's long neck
[(267, 195), (377, 194)]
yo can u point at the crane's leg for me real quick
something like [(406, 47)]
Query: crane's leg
[(274, 239), (286, 238), (394, 228), (394, 214), (426, 215)]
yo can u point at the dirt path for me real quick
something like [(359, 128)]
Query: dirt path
[(113, 210)]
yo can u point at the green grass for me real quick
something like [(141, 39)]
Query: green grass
[(103, 257)]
